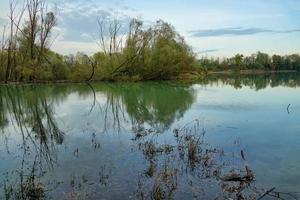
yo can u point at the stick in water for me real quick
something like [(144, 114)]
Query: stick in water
[(288, 108)]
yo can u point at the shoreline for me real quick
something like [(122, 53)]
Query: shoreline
[(191, 76), (252, 72)]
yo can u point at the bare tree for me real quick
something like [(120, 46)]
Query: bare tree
[(33, 8), (3, 44), (34, 40), (137, 40), (37, 30), (47, 23), (15, 19), (101, 35), (109, 41), (12, 7)]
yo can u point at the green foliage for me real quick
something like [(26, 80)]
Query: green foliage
[(157, 52), (164, 53), (59, 69), (3, 62), (259, 61), (154, 52)]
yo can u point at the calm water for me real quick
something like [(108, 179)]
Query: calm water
[(133, 140)]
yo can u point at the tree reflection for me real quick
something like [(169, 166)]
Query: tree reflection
[(31, 114), (31, 111), (186, 160), (154, 104), (257, 81), (26, 185), (188, 167)]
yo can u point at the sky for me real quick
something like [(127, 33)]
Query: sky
[(213, 28)]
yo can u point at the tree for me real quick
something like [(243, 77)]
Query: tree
[(33, 9), (239, 61), (262, 60), (277, 62), (47, 23), (15, 19)]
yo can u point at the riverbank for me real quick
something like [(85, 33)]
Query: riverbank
[(183, 76), (252, 72)]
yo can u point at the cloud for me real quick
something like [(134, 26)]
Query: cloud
[(3, 21), (127, 8), (86, 36), (288, 31), (71, 47), (3, 28), (208, 51), (235, 31), (78, 21)]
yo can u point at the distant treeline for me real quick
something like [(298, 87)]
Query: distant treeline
[(254, 81), (258, 61)]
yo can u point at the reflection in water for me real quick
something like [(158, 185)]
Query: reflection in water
[(156, 104), (31, 112), (192, 161), (42, 152), (26, 186), (257, 81)]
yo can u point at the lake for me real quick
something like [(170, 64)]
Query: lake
[(224, 137)]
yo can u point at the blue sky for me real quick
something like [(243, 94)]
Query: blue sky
[(212, 27)]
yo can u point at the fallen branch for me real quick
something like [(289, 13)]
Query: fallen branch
[(93, 65), (266, 193), (288, 108)]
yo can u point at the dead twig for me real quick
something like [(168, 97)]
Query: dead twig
[(266, 193), (288, 109)]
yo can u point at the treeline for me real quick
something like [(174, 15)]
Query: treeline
[(258, 61), (254, 81), (131, 51), (142, 53), (152, 53)]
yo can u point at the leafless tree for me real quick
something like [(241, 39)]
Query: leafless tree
[(15, 17), (109, 32), (137, 40), (37, 29), (47, 23), (3, 44), (110, 41), (33, 8)]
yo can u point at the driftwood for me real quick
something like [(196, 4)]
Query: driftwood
[(266, 193), (288, 109), (235, 177), (93, 65), (243, 155)]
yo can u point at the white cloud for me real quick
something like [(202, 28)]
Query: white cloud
[(229, 46), (77, 24), (70, 47), (86, 36)]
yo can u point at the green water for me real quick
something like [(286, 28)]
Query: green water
[(82, 141)]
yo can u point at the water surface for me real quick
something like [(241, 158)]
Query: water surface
[(92, 141)]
